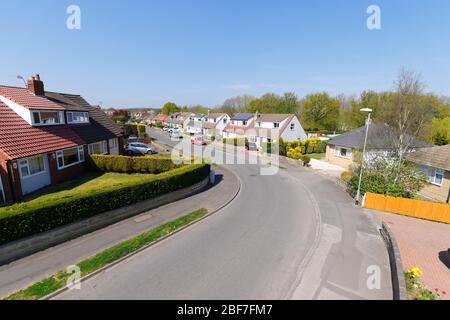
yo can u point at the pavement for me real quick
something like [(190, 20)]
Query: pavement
[(422, 244), (326, 168), (291, 235), (21, 273)]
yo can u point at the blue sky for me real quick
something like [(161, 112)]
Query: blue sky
[(144, 53)]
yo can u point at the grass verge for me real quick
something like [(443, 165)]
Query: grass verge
[(110, 255)]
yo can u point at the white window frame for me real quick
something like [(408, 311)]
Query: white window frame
[(104, 147), (81, 158), (337, 152), (27, 165), (435, 172), (60, 116), (83, 114)]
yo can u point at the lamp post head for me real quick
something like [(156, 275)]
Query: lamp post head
[(366, 110)]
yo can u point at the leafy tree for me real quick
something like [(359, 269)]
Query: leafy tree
[(169, 108), (321, 112), (121, 116), (288, 103), (237, 104), (354, 118)]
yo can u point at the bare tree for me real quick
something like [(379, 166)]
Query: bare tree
[(407, 112)]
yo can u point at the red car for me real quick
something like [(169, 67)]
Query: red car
[(198, 140)]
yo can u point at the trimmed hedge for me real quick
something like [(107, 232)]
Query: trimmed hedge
[(22, 220), (123, 164), (235, 141)]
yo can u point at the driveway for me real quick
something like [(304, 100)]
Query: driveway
[(292, 235)]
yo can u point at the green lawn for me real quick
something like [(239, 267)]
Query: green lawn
[(317, 156), (91, 183)]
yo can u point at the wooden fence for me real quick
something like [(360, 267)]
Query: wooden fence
[(408, 207)]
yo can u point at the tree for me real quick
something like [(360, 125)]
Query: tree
[(239, 104), (440, 131), (169, 108), (353, 118), (381, 175), (288, 103), (121, 116), (321, 112), (267, 103), (407, 110)]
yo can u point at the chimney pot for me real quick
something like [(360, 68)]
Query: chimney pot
[(36, 86)]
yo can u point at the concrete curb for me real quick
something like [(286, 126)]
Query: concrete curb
[(64, 289), (24, 247), (395, 261)]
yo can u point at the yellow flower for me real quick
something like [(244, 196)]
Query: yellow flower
[(416, 272)]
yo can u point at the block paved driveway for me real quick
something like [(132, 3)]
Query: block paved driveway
[(422, 244)]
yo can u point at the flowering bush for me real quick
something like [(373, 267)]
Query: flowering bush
[(417, 290)]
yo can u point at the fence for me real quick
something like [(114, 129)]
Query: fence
[(408, 207)]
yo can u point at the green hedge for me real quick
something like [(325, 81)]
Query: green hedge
[(235, 141), (23, 219), (123, 164)]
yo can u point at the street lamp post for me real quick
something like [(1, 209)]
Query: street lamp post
[(358, 194)]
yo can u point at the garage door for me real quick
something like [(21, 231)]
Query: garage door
[(34, 173)]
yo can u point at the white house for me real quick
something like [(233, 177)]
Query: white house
[(271, 127), (238, 125), (194, 126), (214, 124)]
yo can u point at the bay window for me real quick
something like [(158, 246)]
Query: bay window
[(70, 157)]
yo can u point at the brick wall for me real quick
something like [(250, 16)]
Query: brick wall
[(73, 172)]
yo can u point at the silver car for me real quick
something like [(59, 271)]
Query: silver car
[(138, 148)]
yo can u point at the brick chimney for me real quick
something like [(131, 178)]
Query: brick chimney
[(36, 86)]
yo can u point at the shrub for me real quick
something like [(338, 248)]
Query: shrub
[(306, 160), (346, 176), (295, 153), (123, 164), (141, 131), (236, 141), (24, 219)]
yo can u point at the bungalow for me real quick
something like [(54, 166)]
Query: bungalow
[(435, 162), (44, 137), (271, 127), (340, 150), (163, 119), (240, 123)]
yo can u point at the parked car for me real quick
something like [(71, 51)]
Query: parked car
[(138, 148), (198, 140), (251, 146), (176, 134)]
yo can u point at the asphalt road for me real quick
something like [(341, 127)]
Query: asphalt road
[(293, 235)]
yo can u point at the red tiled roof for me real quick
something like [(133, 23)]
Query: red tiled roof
[(233, 128), (28, 100), (161, 118), (19, 140)]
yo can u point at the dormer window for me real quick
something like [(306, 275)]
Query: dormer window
[(48, 118), (77, 117)]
